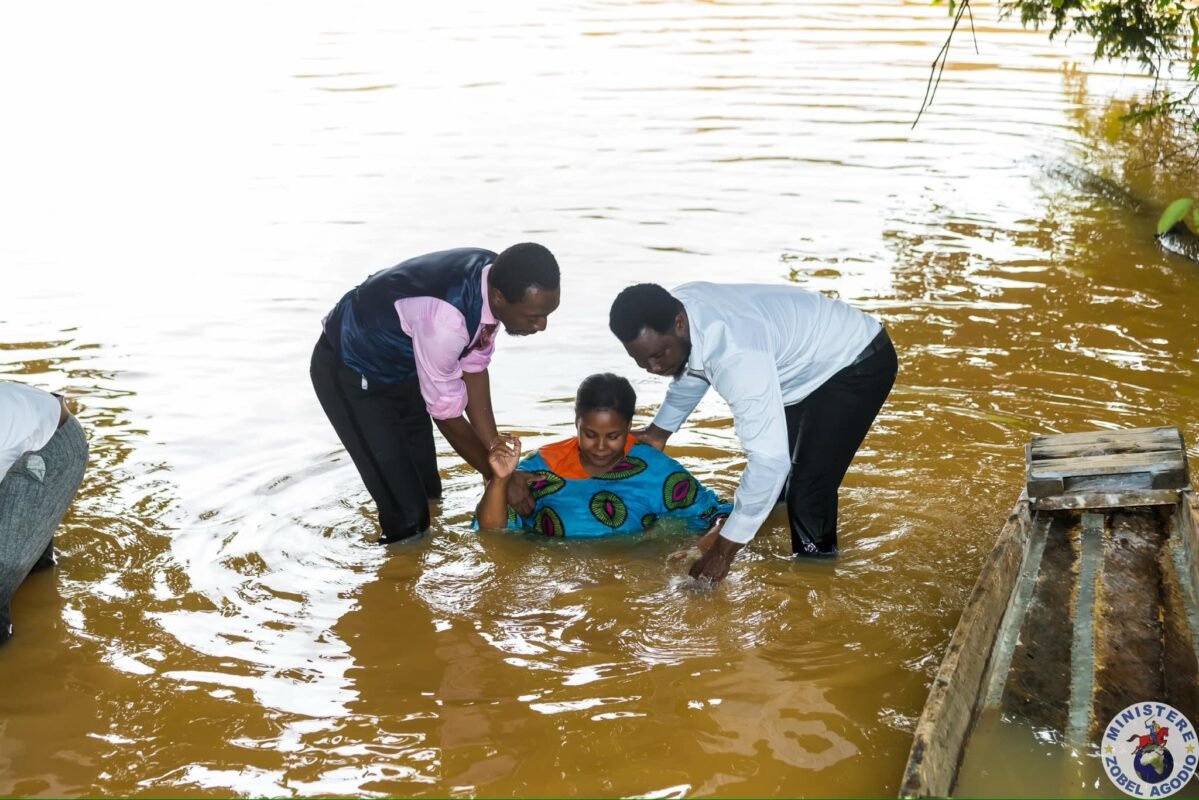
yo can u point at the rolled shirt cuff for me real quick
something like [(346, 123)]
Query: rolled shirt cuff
[(740, 528), (747, 518), (446, 406), (669, 419)]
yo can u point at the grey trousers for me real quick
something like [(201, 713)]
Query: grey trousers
[(34, 495)]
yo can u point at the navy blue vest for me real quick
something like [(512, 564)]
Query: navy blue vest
[(364, 327)]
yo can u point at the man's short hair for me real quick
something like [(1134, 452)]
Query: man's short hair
[(521, 267), (645, 305), (606, 392)]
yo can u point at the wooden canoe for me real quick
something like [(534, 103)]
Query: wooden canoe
[(1087, 603)]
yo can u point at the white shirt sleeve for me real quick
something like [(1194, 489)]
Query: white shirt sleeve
[(28, 419), (682, 396), (748, 380)]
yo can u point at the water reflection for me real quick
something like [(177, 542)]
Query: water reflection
[(73, 624), (221, 623)]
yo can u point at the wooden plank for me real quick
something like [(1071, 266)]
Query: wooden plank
[(1108, 465), (1116, 462), (1007, 638), (1194, 537), (1036, 487), (1082, 647), (1164, 437), (1128, 637), (1141, 497), (940, 734), (1164, 433), (1172, 479), (1184, 558), (1188, 542), (1056, 450), (1180, 617), (1049, 445), (1120, 482), (1037, 684), (1039, 488), (1044, 488)]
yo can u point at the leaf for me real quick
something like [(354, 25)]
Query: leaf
[(1173, 213), (1195, 219)]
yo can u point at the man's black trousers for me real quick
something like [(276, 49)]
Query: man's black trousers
[(389, 435), (825, 430)]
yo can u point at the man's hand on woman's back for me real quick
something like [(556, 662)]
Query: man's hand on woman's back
[(652, 435)]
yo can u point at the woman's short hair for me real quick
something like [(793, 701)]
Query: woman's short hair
[(606, 392)]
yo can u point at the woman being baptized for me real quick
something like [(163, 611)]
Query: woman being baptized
[(602, 481)]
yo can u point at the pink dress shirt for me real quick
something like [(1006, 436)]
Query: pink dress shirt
[(439, 336)]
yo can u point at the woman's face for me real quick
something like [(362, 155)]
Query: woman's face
[(602, 435)]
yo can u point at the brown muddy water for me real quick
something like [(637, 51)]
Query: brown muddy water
[(189, 188)]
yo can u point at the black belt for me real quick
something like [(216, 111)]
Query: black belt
[(876, 345)]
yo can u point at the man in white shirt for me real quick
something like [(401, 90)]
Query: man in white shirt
[(804, 375), (43, 452)]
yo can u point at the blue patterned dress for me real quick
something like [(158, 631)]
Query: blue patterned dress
[(644, 486)]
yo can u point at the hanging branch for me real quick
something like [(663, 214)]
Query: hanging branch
[(942, 58)]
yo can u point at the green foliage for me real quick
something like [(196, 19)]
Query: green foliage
[(1144, 30), (1174, 213), (1162, 36)]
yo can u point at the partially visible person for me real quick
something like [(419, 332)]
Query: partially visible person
[(42, 456), (410, 347), (804, 375), (601, 481)]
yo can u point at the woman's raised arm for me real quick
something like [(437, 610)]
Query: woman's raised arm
[(502, 457)]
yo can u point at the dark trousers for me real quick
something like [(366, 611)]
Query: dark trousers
[(825, 430), (389, 435)]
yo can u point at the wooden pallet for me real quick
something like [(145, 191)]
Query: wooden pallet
[(1106, 469)]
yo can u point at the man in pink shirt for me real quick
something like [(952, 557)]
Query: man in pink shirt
[(410, 346)]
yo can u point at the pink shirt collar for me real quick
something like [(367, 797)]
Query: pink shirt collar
[(486, 317)]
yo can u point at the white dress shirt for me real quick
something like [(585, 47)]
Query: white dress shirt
[(28, 418), (762, 347)]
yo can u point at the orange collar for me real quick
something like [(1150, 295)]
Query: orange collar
[(563, 457)]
